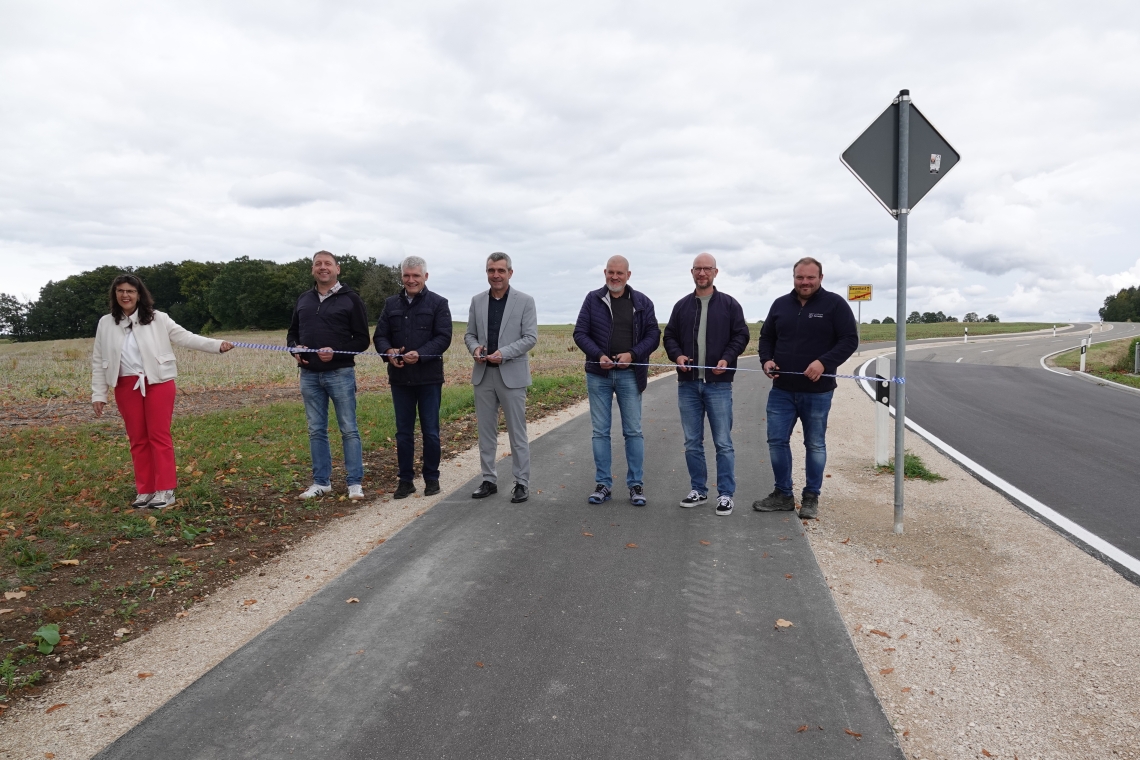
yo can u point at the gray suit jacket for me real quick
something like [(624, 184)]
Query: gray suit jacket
[(517, 335)]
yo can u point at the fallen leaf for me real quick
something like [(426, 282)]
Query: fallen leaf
[(878, 560), (152, 520), (202, 546), (53, 708), (849, 732), (705, 543), (14, 595), (145, 674), (886, 671), (858, 627), (846, 540), (877, 632), (69, 562), (248, 602), (122, 632), (788, 576), (29, 589), (889, 649), (49, 755), (781, 623), (588, 535), (764, 555), (953, 668), (352, 600), (902, 637), (478, 664), (784, 538), (986, 752), (801, 729), (631, 546), (5, 612), (182, 614), (906, 689)]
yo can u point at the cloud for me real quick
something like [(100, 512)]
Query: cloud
[(279, 190)]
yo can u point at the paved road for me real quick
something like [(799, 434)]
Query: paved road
[(1068, 443), (589, 649)]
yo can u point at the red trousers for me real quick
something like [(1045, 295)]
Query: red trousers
[(148, 428)]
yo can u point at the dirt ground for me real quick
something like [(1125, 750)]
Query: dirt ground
[(985, 633)]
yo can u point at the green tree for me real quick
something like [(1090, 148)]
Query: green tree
[(163, 282), (889, 320), (72, 307), (13, 316), (1122, 307), (380, 282), (875, 322), (971, 317), (255, 293), (914, 319), (992, 318), (194, 281)]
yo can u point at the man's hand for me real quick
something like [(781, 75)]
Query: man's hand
[(721, 366), (394, 357), (606, 362), (325, 354), (411, 357), (480, 354), (300, 362), (683, 363), (98, 407), (495, 358), (814, 371), (771, 369), (623, 360), (226, 346)]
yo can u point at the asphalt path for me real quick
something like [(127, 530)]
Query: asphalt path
[(556, 629), (1067, 443)]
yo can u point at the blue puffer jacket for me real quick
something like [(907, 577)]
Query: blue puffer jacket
[(596, 324)]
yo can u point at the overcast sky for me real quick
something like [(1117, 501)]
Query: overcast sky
[(562, 133)]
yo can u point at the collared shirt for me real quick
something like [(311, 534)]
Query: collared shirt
[(130, 360), (333, 289), (495, 309)]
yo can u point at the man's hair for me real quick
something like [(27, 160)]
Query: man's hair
[(325, 253), (500, 256), (413, 262), (808, 260), (144, 308)]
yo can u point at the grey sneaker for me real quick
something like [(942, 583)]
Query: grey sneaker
[(141, 500), (600, 494), (777, 501), (694, 499), (809, 506), (637, 496), (161, 500)]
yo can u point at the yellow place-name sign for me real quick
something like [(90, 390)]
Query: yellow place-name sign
[(858, 292)]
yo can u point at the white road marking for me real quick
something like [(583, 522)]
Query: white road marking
[(1081, 534), (958, 360), (988, 350)]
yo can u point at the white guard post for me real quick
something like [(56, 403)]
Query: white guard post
[(1084, 347), (966, 334), (882, 417)]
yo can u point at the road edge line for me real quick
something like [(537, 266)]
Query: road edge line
[(1089, 542)]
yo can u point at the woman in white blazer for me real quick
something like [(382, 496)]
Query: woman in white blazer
[(133, 355)]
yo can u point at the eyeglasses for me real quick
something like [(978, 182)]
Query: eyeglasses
[(697, 270)]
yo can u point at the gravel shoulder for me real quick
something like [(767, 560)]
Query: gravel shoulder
[(1002, 638)]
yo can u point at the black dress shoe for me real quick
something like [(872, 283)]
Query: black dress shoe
[(405, 489), (431, 487), (520, 494), (486, 488)]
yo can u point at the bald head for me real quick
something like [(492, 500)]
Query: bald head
[(704, 260), (617, 274), (704, 272)]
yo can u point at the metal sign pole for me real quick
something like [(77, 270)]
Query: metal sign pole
[(859, 329), (900, 310)]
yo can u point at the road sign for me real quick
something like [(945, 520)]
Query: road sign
[(882, 160), (874, 158), (858, 292)]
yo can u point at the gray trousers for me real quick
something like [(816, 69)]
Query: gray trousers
[(490, 394)]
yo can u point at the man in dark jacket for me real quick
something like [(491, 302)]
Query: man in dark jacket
[(707, 330), (617, 328), (331, 316), (413, 332), (809, 332)]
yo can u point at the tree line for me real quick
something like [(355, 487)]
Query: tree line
[(936, 317), (1122, 307), (200, 296)]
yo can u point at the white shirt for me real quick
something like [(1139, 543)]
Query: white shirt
[(131, 361)]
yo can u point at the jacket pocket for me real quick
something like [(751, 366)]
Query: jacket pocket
[(166, 358), (106, 365)]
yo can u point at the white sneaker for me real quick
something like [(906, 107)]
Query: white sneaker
[(314, 491), (356, 493), (141, 500), (161, 500)]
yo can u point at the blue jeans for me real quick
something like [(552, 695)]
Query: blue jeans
[(697, 400), (784, 408), (316, 390), (406, 399), (623, 384)]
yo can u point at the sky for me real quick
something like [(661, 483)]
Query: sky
[(564, 133)]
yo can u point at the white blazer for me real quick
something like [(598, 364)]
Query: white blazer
[(154, 344)]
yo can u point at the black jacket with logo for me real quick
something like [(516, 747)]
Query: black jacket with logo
[(424, 325), (339, 323), (795, 336)]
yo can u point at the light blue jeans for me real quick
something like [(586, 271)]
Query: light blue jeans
[(698, 399), (317, 388), (623, 384), (784, 408)]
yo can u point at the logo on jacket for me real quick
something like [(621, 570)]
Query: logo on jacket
[(810, 315)]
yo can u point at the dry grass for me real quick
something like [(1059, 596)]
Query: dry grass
[(61, 369)]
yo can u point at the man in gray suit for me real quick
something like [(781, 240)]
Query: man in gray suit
[(502, 327)]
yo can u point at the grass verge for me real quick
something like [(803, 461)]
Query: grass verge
[(1112, 361), (913, 469), (73, 554)]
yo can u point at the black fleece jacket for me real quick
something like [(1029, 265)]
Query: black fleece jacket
[(340, 323), (795, 336)]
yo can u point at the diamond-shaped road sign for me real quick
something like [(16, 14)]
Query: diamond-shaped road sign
[(874, 158)]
